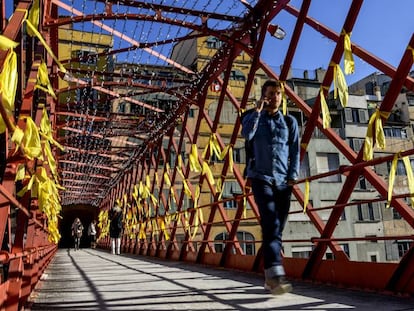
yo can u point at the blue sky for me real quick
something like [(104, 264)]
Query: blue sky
[(383, 27)]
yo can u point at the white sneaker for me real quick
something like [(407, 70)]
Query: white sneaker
[(278, 285)]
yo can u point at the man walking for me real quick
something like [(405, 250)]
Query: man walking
[(273, 170)]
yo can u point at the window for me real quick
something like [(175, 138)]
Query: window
[(395, 132), (245, 239), (191, 113), (213, 43), (238, 156), (173, 158), (87, 57), (301, 251), (355, 115), (327, 162), (87, 95), (369, 211), (231, 189), (356, 143), (395, 214), (121, 107), (403, 247)]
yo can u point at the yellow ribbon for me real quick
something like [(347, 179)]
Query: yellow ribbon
[(207, 171), (20, 172), (46, 46), (46, 129), (412, 50), (304, 146), (6, 43), (340, 85), (410, 177), (167, 179), (8, 86), (219, 187), (375, 120), (31, 141), (349, 64), (51, 159), (34, 17), (43, 81), (193, 158), (306, 198), (326, 117), (198, 212), (284, 100), (163, 228), (187, 190)]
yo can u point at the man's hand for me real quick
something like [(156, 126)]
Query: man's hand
[(261, 104)]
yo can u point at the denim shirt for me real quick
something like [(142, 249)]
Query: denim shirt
[(275, 146)]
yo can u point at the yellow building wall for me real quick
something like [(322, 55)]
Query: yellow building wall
[(71, 41)]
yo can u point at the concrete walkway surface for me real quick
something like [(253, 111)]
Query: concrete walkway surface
[(91, 279)]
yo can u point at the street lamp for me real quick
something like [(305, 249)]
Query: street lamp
[(276, 31)]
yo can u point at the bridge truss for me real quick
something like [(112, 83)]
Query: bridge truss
[(126, 114)]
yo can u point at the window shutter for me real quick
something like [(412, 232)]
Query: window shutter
[(363, 115), (376, 210), (348, 115)]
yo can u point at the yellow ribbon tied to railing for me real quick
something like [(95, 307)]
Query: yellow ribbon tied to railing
[(31, 140), (349, 63), (198, 213), (410, 178), (306, 198), (207, 172), (31, 27), (284, 99), (50, 158), (326, 117), (374, 121), (20, 172), (164, 228), (34, 17), (193, 158), (103, 224), (219, 188), (187, 190), (186, 222), (8, 86), (43, 82), (391, 179), (228, 150), (167, 179), (157, 181), (340, 85), (6, 43), (412, 51), (46, 129), (214, 147)]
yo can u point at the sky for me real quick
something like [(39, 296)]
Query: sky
[(383, 28)]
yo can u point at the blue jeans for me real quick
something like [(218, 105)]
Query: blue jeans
[(274, 203)]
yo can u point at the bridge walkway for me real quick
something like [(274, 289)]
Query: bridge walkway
[(91, 279)]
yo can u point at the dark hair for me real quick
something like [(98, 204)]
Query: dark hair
[(270, 82)]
